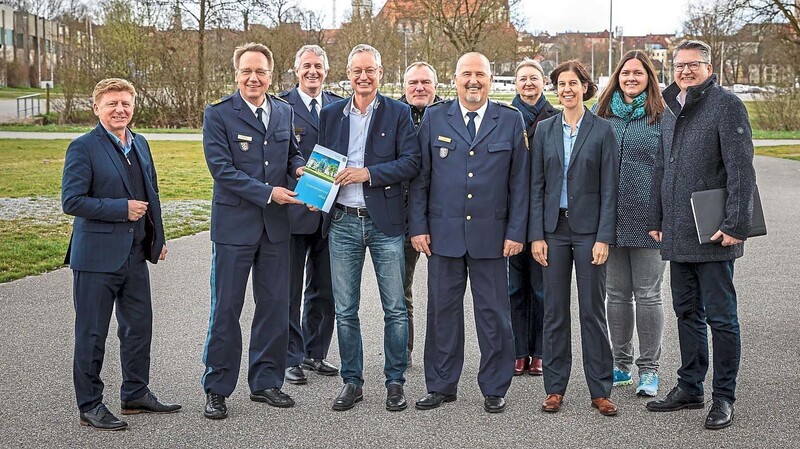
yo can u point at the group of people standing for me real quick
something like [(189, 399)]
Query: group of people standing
[(509, 197)]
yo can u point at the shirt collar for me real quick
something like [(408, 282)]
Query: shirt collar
[(307, 98), (351, 108), (577, 125), (128, 139), (264, 106), (481, 111)]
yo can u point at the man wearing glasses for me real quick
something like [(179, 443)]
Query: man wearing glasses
[(250, 147), (706, 143), (377, 136)]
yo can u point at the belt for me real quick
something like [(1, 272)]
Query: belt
[(563, 213), (360, 212)]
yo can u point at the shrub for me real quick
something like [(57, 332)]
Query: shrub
[(778, 110)]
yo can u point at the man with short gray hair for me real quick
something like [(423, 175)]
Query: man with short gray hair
[(309, 335), (706, 143), (377, 136)]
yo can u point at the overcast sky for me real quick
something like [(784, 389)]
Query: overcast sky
[(636, 17)]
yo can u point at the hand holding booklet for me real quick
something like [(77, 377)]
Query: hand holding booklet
[(316, 187)]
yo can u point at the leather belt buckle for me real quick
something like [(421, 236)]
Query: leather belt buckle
[(563, 213)]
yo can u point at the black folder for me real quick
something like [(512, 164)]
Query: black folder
[(708, 207)]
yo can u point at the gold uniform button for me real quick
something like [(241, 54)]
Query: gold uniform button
[(469, 174), (472, 153), (469, 217)]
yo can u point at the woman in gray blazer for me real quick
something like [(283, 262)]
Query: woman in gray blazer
[(573, 212)]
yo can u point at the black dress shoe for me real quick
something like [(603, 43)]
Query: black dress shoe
[(148, 404), (720, 415), (272, 396), (433, 400), (321, 366), (348, 397), (395, 399), (676, 399), (295, 375), (494, 404), (215, 406), (102, 419)]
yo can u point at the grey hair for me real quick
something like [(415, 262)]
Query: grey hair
[(700, 46), (362, 48), (421, 64), (252, 46), (528, 62), (317, 50)]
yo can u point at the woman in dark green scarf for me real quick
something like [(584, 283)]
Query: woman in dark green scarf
[(633, 104), (525, 282)]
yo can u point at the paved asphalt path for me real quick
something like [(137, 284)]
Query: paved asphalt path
[(36, 377), (199, 137)]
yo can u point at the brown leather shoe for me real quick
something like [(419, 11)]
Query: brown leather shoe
[(536, 367), (552, 403), (520, 366), (605, 406)]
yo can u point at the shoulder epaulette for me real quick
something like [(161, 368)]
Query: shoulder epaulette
[(221, 100), (332, 94), (440, 103), (279, 99), (285, 93), (500, 103)]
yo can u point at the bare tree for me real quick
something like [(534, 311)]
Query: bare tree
[(466, 23), (717, 24)]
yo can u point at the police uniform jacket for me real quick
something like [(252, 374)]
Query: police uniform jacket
[(470, 196), (245, 163), (306, 129)]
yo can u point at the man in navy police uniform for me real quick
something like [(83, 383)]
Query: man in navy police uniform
[(468, 212), (110, 186), (309, 335), (250, 148)]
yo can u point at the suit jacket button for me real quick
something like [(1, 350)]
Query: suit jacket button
[(672, 159), (472, 153), (266, 162), (469, 217), (469, 196), (130, 230), (265, 143), (469, 174)]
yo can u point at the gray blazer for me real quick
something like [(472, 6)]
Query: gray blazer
[(592, 178)]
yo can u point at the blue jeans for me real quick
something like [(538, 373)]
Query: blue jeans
[(348, 239), (703, 296)]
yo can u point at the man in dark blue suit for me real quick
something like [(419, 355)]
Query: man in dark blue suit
[(309, 337), (469, 211), (377, 136), (110, 186), (250, 149)]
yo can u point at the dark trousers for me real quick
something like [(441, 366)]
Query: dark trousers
[(412, 256), (563, 249), (94, 298), (526, 292), (269, 334), (703, 295), (444, 340), (310, 336)]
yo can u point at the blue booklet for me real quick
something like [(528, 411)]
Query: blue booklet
[(316, 187)]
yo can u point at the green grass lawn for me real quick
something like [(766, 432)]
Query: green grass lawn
[(32, 168), (786, 152)]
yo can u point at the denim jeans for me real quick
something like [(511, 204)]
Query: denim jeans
[(348, 239), (634, 275), (703, 295)]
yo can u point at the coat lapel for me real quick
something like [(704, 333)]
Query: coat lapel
[(111, 150), (301, 111), (273, 119), (457, 121), (583, 131), (488, 123), (246, 115), (344, 131), (558, 135), (144, 161)]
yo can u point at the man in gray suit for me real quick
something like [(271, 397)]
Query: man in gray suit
[(706, 143)]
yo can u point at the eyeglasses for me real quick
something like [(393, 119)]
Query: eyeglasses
[(370, 71), (693, 65), (259, 73)]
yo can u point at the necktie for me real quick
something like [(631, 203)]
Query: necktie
[(314, 114), (259, 115), (471, 124)]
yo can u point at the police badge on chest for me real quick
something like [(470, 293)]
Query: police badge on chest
[(443, 152), (244, 142)]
